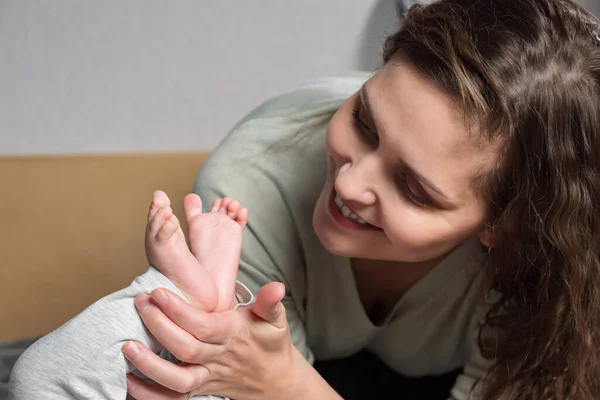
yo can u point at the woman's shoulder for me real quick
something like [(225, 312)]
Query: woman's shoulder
[(311, 96), (249, 146)]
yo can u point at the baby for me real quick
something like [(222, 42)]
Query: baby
[(83, 360)]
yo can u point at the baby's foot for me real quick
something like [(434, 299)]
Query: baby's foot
[(216, 241), (167, 250)]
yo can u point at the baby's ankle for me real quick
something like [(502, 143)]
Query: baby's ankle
[(204, 297)]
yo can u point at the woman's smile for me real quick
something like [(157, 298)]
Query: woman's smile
[(345, 216)]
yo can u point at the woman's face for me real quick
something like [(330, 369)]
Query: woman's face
[(401, 167)]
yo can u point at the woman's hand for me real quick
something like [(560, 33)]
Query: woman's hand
[(241, 354)]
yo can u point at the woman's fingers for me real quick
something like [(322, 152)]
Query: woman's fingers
[(215, 328), (180, 378), (252, 347), (176, 340), (141, 390), (268, 304)]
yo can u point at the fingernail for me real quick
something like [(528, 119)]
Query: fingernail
[(131, 349), (160, 297), (142, 301)]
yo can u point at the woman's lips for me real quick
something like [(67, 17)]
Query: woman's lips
[(337, 215)]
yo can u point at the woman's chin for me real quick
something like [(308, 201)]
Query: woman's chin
[(336, 247), (332, 240)]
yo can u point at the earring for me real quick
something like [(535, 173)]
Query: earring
[(489, 250)]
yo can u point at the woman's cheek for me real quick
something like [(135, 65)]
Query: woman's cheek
[(410, 231), (405, 229)]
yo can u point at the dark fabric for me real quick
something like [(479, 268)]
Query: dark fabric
[(364, 376)]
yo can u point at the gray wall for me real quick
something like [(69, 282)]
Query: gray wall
[(592, 5), (93, 76), (85, 76)]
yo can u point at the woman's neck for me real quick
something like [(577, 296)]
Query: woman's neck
[(390, 278), (400, 269), (381, 284)]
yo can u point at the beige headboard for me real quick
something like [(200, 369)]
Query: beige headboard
[(72, 230)]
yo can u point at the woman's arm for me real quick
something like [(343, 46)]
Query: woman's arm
[(310, 385)]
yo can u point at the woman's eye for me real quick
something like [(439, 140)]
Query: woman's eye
[(367, 132), (413, 195)]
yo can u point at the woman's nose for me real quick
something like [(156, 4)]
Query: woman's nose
[(356, 181)]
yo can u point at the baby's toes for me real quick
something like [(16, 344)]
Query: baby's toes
[(224, 205), (159, 219), (168, 229), (242, 217), (154, 208), (159, 200), (232, 208), (216, 205), (192, 207)]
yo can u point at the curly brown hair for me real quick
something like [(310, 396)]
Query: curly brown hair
[(526, 73)]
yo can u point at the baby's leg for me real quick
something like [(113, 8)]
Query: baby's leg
[(216, 241), (167, 251)]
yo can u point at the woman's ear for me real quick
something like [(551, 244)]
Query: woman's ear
[(487, 237)]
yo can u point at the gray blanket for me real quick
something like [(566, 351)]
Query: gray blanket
[(9, 352)]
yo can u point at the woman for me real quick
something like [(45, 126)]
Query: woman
[(482, 126), (440, 214)]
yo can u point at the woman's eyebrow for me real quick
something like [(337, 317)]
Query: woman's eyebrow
[(364, 99), (428, 183)]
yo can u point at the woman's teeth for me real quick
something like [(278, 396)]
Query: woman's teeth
[(347, 212)]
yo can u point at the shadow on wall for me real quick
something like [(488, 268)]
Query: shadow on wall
[(385, 17), (591, 5), (383, 21)]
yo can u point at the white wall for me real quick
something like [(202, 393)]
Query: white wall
[(89, 76), (93, 76)]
